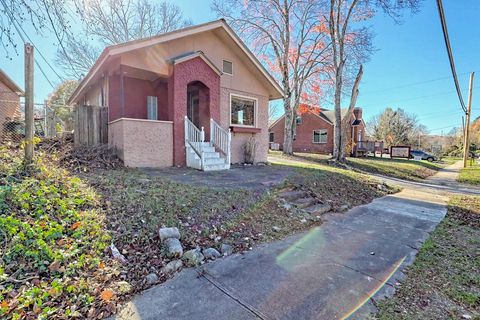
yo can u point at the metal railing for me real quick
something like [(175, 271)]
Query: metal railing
[(194, 138), (221, 139)]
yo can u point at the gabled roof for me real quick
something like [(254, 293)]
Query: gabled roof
[(195, 54), (330, 114), (319, 115), (11, 84), (173, 35)]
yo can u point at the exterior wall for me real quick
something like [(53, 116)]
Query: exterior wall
[(304, 137), (135, 98), (142, 143), (184, 73), (239, 138), (9, 104), (156, 59)]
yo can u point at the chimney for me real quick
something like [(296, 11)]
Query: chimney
[(357, 112)]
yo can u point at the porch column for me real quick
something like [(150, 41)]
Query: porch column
[(122, 93)]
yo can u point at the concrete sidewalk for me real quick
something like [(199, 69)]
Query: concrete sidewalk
[(334, 271)]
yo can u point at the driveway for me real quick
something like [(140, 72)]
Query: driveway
[(257, 177), (335, 271)]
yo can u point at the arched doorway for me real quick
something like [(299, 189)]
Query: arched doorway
[(198, 105)]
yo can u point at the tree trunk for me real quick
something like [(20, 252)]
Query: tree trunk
[(289, 128), (346, 135), (337, 147)]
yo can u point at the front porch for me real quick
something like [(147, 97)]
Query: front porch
[(161, 120)]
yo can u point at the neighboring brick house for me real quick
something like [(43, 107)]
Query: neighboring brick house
[(10, 94), (192, 97), (315, 130)]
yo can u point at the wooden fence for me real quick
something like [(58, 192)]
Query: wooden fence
[(90, 125)]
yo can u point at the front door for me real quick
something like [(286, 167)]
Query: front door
[(193, 107)]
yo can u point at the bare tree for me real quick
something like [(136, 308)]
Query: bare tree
[(108, 22), (351, 45), (43, 16), (289, 38)]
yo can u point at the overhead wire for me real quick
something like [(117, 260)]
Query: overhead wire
[(450, 54), (413, 84), (13, 21)]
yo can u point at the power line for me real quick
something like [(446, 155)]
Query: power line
[(418, 98), (450, 54), (413, 84), (13, 21), (39, 52)]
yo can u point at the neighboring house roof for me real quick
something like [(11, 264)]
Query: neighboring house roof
[(169, 36), (11, 84), (321, 116), (330, 114), (326, 115)]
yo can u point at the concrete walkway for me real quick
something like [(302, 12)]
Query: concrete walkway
[(334, 271)]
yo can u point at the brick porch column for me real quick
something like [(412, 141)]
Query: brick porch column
[(184, 73)]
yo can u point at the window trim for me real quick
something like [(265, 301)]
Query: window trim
[(255, 111), (313, 136), (271, 134), (223, 71)]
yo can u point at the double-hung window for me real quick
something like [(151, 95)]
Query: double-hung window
[(242, 111), (320, 136)]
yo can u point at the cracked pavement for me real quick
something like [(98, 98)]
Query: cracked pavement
[(335, 271)]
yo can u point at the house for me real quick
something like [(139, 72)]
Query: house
[(191, 97), (10, 94), (315, 130)]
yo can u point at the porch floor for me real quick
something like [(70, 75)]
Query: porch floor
[(257, 177)]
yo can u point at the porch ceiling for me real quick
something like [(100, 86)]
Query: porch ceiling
[(139, 73)]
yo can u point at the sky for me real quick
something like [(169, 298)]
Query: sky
[(408, 70)]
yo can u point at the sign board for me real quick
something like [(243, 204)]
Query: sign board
[(400, 152)]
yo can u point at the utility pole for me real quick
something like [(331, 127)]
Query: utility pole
[(29, 129), (466, 144)]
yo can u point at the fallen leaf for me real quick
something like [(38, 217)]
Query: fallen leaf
[(75, 225), (54, 266), (4, 304), (101, 265), (106, 295)]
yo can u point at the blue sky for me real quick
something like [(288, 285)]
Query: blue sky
[(409, 69)]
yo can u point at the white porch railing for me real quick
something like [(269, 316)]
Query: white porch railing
[(221, 139), (195, 139)]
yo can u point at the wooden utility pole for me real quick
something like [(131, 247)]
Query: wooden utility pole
[(466, 143), (29, 129)]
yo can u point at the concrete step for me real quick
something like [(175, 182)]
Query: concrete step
[(213, 161), (318, 209), (216, 167), (210, 155), (302, 203), (291, 195)]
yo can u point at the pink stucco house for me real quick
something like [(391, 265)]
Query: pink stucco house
[(192, 97)]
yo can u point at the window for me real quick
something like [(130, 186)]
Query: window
[(227, 67), (272, 137), (152, 108), (242, 111), (320, 136)]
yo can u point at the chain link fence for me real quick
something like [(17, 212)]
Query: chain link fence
[(47, 123)]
